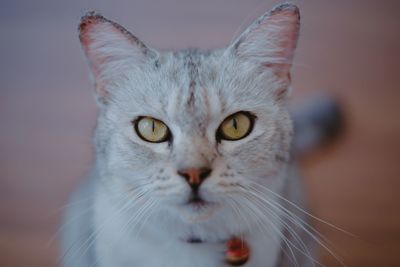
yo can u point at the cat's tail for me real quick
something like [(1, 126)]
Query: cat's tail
[(316, 123)]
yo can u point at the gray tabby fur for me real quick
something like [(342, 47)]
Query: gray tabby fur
[(132, 210)]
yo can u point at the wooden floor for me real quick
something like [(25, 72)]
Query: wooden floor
[(350, 49)]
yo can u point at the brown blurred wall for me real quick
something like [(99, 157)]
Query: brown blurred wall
[(47, 112)]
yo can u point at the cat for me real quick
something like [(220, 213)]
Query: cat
[(194, 151)]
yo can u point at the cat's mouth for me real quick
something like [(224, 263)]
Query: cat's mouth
[(196, 209), (196, 200), (197, 204)]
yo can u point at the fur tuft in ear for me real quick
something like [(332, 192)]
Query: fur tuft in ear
[(271, 40), (110, 49)]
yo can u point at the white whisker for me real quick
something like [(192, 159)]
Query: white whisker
[(85, 246), (260, 216), (303, 248), (303, 211), (299, 221)]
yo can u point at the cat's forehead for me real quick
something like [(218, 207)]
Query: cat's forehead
[(187, 88), (192, 88), (207, 84)]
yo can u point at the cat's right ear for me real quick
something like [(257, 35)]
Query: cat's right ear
[(110, 50), (270, 42)]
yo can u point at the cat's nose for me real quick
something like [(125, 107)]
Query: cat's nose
[(195, 176)]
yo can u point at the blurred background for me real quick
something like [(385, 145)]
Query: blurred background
[(347, 48)]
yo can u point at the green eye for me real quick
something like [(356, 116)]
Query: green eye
[(151, 130), (236, 126)]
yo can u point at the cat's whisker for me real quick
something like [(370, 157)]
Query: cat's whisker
[(149, 203), (260, 220), (290, 215), (306, 227), (303, 248), (284, 211), (302, 210), (260, 216), (149, 215), (231, 202), (75, 217), (301, 223), (90, 240), (325, 243), (248, 207), (101, 229), (68, 250), (85, 246), (137, 216), (65, 224)]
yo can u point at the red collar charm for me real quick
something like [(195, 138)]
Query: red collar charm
[(238, 252)]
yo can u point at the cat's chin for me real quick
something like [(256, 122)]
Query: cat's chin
[(195, 212)]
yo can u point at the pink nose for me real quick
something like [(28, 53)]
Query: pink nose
[(195, 176)]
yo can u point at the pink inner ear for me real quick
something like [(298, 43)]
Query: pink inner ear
[(96, 60), (89, 28), (87, 25), (109, 48), (288, 23), (273, 39), (270, 43)]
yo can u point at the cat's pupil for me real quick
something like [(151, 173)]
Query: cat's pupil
[(234, 123), (152, 126)]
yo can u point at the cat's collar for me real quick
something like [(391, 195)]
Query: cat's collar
[(194, 240), (237, 250)]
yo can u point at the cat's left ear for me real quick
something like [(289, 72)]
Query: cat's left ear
[(110, 50), (271, 40)]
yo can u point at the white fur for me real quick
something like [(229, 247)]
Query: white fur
[(139, 215)]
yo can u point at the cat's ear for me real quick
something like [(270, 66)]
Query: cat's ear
[(271, 40), (110, 49)]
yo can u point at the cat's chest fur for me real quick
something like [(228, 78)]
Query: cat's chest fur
[(146, 245)]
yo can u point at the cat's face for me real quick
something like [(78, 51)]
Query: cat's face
[(217, 117)]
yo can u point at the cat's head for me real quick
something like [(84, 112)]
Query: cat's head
[(195, 132)]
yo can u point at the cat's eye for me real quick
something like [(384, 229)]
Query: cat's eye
[(236, 126), (151, 130)]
